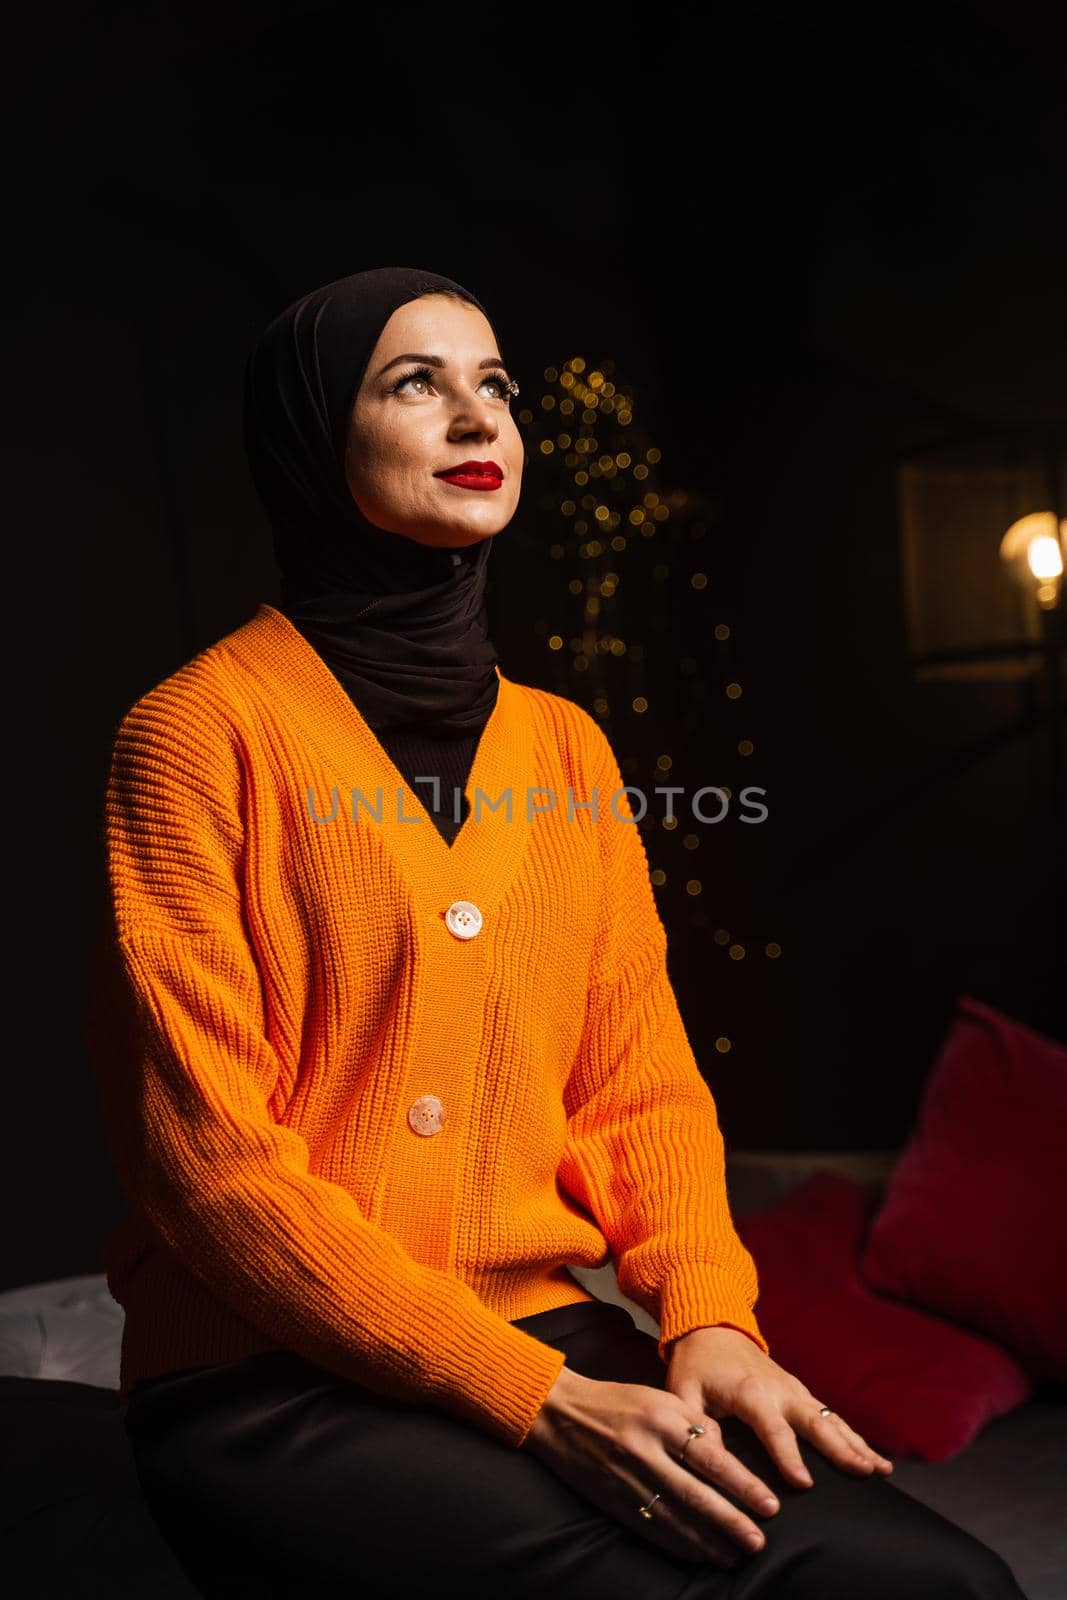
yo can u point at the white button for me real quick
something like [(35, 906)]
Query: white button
[(464, 919), (426, 1115)]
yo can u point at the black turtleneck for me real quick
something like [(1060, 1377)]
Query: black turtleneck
[(417, 756)]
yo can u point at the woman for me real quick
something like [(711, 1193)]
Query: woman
[(390, 1064)]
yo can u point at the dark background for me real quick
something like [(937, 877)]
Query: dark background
[(812, 244)]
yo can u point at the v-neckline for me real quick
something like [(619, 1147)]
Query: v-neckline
[(485, 855)]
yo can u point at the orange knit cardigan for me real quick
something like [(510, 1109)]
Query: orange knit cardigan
[(344, 1123)]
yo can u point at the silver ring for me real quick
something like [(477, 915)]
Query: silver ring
[(826, 1412)]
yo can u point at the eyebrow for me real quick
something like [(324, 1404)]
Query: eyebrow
[(435, 361)]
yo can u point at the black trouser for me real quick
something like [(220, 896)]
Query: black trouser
[(273, 1477)]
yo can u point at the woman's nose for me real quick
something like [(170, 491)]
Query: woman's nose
[(475, 415)]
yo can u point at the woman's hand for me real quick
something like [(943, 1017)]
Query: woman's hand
[(722, 1372), (618, 1444)]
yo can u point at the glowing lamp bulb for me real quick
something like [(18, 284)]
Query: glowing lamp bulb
[(1044, 557), (1032, 549)]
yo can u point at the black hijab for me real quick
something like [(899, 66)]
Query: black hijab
[(401, 624)]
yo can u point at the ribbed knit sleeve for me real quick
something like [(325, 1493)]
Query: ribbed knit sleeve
[(644, 1151), (188, 1107)]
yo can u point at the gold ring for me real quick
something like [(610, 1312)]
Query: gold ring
[(694, 1432)]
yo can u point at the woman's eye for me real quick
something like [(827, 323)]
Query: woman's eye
[(503, 383), (412, 377)]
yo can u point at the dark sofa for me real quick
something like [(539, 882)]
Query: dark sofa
[(75, 1526)]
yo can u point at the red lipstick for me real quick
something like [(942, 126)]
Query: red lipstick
[(473, 475)]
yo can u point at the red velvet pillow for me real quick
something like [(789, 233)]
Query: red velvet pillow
[(911, 1384), (974, 1220)]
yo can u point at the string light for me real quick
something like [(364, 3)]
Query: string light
[(634, 546)]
